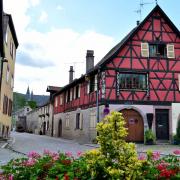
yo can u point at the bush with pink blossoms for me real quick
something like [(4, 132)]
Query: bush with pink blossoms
[(50, 165)]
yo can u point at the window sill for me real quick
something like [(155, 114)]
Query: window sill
[(144, 90)]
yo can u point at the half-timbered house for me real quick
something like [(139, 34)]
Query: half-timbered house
[(138, 77)]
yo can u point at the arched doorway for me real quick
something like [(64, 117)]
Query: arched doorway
[(44, 128), (135, 125), (60, 128)]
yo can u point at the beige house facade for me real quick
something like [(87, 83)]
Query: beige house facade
[(7, 75)]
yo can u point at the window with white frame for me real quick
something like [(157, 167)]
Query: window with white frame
[(67, 120), (93, 119), (157, 49)]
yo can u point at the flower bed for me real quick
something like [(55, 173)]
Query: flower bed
[(115, 159)]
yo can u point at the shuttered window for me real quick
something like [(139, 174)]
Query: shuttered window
[(144, 50), (170, 51)]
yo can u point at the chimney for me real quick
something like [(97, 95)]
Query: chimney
[(71, 71), (89, 60), (137, 22)]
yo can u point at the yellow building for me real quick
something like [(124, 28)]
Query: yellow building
[(7, 74)]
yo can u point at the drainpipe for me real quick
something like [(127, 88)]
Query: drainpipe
[(97, 96)]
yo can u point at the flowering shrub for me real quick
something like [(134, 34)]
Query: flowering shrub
[(156, 167), (114, 160), (50, 165)]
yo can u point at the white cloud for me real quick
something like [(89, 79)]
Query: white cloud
[(43, 17), (59, 47), (59, 7)]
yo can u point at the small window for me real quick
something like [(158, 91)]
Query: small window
[(77, 91), (157, 50), (92, 120), (78, 121), (67, 121), (27, 109), (92, 84), (68, 95)]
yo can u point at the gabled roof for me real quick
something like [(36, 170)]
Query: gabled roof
[(115, 50), (53, 89), (7, 18)]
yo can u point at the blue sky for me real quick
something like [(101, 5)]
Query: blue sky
[(55, 33)]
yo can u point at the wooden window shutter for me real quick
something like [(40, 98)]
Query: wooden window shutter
[(170, 51), (95, 83), (88, 87), (71, 97), (79, 90), (75, 92), (144, 49)]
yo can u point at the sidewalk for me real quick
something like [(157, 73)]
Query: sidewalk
[(164, 149)]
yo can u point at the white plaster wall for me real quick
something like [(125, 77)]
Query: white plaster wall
[(142, 109), (175, 116)]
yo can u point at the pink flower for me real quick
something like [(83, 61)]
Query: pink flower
[(30, 162), (177, 152), (55, 158), (79, 153), (11, 177), (156, 155), (69, 154), (47, 152), (33, 154), (142, 157)]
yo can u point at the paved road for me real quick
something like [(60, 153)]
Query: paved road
[(25, 143)]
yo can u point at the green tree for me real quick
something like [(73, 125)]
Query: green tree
[(32, 104)]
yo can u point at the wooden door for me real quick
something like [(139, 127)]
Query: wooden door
[(135, 125), (162, 124)]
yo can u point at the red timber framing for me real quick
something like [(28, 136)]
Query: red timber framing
[(161, 71)]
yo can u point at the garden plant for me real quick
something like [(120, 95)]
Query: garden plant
[(115, 159)]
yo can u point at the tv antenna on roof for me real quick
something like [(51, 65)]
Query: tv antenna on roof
[(141, 5)]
